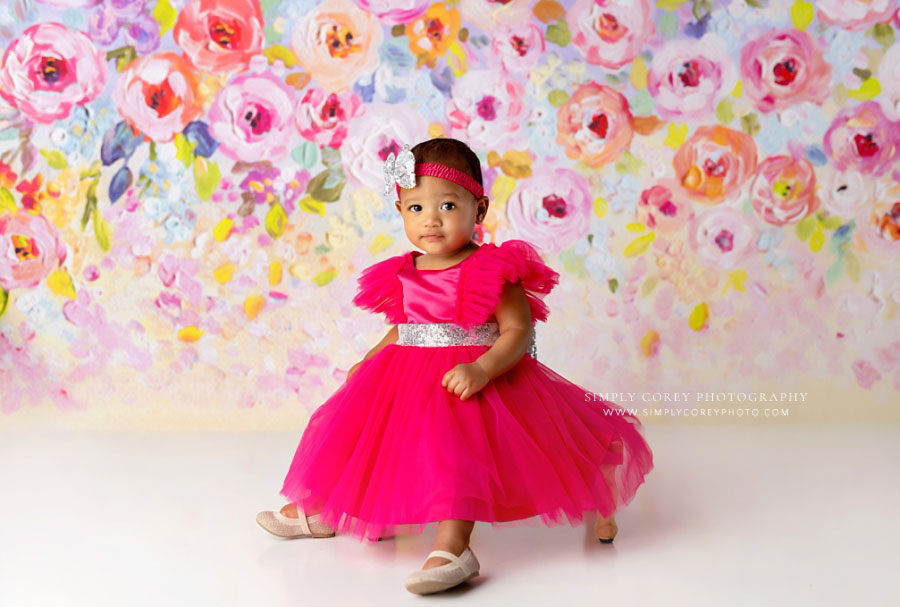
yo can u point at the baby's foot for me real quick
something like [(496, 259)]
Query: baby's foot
[(605, 529), (437, 561), (290, 511)]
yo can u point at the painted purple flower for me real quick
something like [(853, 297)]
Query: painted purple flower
[(260, 184)]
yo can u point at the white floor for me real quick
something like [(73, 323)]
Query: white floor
[(731, 515)]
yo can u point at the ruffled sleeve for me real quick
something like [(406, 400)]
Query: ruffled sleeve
[(380, 289), (482, 284)]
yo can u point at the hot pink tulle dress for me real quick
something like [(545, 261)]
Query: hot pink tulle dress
[(392, 450)]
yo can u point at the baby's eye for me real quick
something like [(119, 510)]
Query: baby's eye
[(415, 207), (450, 203)]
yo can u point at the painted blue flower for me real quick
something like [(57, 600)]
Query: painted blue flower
[(841, 48), (622, 192), (597, 258)]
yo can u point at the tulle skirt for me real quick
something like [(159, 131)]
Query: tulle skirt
[(392, 450)]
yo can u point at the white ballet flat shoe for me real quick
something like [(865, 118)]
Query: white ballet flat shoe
[(458, 570), (283, 526)]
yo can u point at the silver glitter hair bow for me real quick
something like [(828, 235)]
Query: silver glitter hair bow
[(401, 169)]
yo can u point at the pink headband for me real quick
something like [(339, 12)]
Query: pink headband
[(402, 170), (450, 174)]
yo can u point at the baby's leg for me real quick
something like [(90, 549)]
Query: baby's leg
[(290, 511), (453, 536)]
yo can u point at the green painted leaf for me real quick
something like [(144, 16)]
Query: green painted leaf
[(750, 124), (642, 103), (323, 189), (832, 223), (7, 202), (102, 230), (55, 159), (306, 155), (276, 219), (628, 163), (184, 149), (123, 56), (883, 34), (724, 113), (206, 178), (806, 226), (557, 97), (558, 33), (834, 271), (670, 5), (4, 300)]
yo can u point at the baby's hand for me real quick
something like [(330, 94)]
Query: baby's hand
[(465, 379)]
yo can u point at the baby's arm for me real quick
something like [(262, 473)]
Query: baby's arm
[(514, 321), (389, 338)]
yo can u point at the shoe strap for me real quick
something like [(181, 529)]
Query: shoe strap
[(450, 557), (304, 524)]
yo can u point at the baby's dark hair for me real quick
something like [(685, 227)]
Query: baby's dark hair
[(449, 152)]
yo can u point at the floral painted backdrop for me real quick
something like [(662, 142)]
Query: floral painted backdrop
[(188, 189)]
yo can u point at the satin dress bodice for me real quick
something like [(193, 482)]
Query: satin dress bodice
[(430, 296)]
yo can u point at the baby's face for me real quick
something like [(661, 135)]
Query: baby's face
[(439, 215)]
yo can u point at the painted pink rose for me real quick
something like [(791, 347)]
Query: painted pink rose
[(783, 67), (488, 14), (714, 163), (394, 11), (252, 118), (688, 78), (386, 129), (337, 42), (48, 69), (861, 137), (722, 237), (220, 35), (610, 33), (552, 208), (595, 124), (30, 248), (857, 15), (157, 94), (784, 190), (323, 117), (485, 109), (519, 47), (662, 209)]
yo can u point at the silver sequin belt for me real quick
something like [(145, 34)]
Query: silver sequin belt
[(439, 335)]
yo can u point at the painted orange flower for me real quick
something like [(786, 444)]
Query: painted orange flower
[(595, 124), (432, 34), (714, 163)]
